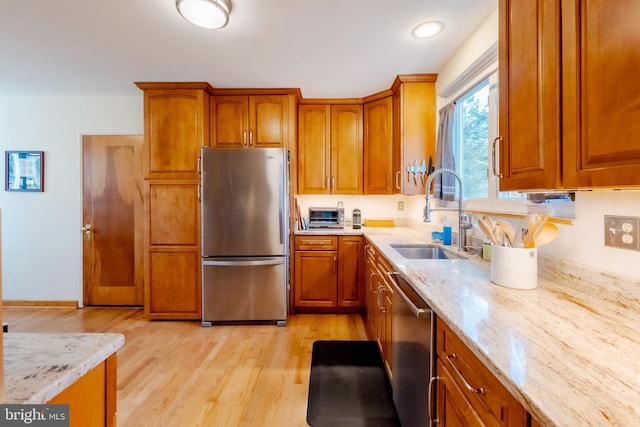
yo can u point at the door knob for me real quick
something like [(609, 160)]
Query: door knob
[(87, 230)]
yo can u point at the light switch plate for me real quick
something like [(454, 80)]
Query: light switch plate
[(622, 232)]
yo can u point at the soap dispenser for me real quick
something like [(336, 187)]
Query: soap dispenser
[(446, 232)]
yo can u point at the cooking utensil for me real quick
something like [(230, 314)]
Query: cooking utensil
[(486, 225), (548, 232), (531, 227), (508, 230)]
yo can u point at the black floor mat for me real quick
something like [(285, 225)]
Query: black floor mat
[(349, 386)]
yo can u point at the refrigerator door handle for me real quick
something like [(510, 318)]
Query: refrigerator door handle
[(273, 261), (281, 205)]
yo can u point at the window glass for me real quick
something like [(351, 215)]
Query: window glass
[(472, 140)]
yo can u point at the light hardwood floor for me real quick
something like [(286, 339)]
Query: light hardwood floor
[(176, 373)]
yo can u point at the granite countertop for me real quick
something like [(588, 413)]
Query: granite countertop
[(38, 366), (567, 350)]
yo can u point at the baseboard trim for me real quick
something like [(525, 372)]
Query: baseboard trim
[(24, 303)]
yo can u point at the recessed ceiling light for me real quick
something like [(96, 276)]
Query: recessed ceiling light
[(427, 29), (212, 14)]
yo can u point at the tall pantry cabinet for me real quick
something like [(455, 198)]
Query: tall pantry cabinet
[(176, 125)]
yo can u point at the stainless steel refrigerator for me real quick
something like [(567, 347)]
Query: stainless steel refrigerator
[(245, 232)]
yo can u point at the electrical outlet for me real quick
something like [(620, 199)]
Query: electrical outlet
[(400, 205), (340, 204), (622, 232)]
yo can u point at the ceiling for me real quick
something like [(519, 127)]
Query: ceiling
[(327, 48)]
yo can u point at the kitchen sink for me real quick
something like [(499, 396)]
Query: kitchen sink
[(424, 251)]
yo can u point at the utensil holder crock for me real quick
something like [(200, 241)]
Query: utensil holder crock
[(515, 268)]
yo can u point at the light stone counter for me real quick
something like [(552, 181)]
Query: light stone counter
[(568, 350), (38, 366)]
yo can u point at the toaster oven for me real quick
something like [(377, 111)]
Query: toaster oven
[(326, 217)]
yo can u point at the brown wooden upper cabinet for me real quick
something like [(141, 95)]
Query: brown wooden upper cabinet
[(330, 148), (414, 130), (378, 146), (569, 109), (250, 121), (176, 126)]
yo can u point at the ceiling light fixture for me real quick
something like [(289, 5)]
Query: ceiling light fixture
[(212, 14), (427, 29)]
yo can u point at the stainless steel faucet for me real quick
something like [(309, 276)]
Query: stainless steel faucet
[(464, 220)]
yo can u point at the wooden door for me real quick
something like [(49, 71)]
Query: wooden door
[(378, 146), (229, 117), (350, 272), (346, 149), (315, 279), (601, 93), (529, 95), (113, 209), (314, 149), (268, 121)]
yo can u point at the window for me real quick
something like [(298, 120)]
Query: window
[(471, 140), (475, 123)]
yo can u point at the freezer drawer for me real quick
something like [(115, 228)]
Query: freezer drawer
[(244, 289)]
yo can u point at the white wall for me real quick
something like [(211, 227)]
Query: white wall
[(41, 237)]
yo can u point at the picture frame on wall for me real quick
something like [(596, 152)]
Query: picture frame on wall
[(24, 171)]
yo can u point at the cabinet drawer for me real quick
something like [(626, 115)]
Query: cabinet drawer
[(492, 401), (384, 265), (316, 243)]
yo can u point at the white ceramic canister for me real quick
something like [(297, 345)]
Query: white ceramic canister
[(515, 268)]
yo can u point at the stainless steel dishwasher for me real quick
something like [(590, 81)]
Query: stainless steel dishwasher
[(413, 354)]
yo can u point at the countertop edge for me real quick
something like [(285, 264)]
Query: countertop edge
[(61, 378)]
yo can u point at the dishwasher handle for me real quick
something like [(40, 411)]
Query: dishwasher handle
[(402, 287)]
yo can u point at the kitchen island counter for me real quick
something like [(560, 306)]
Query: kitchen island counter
[(39, 366), (566, 350)]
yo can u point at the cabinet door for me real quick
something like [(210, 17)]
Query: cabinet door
[(172, 250), (529, 95), (601, 93), (350, 272), (174, 131), (453, 409), (229, 121), (172, 289), (315, 275), (346, 149), (370, 290), (314, 149), (414, 133), (268, 121), (378, 146)]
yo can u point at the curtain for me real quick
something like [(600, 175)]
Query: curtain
[(444, 187)]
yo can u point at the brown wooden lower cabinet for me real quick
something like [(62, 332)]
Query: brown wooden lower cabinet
[(328, 273), (172, 258), (378, 300), (92, 398), (468, 393)]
